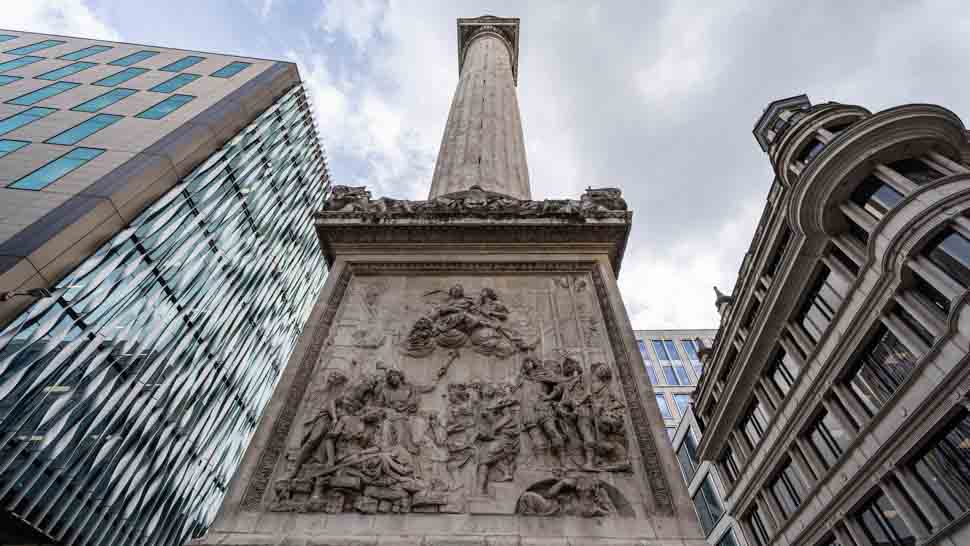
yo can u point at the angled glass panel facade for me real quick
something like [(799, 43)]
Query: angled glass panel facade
[(127, 398)]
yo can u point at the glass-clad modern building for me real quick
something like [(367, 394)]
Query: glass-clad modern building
[(674, 368), (130, 388)]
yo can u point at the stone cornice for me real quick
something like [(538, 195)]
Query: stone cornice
[(473, 218)]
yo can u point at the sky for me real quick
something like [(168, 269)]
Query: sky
[(656, 98)]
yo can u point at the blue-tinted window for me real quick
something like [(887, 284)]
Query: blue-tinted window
[(120, 77), (20, 119), (652, 374), (183, 63), (231, 69), (690, 347), (682, 401), (83, 130), (4, 80), (18, 62), (105, 100), (35, 47), (670, 375), (165, 107), (658, 347), (6, 37), (86, 52), (43, 93), (664, 408), (48, 174), (66, 71), (174, 83), (671, 350), (11, 146), (134, 58)]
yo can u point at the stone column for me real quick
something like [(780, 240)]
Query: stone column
[(482, 143)]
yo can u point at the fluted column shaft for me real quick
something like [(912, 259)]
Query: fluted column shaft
[(483, 144)]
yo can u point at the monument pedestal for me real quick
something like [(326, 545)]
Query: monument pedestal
[(469, 376)]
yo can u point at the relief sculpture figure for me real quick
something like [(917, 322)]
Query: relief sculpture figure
[(497, 438), (573, 496), (399, 403), (462, 321), (541, 388), (609, 420), (575, 410), (320, 425)]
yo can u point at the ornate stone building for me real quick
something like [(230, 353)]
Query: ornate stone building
[(469, 374), (834, 403)]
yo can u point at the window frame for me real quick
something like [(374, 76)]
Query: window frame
[(144, 114), (134, 58), (81, 131), (50, 165), (81, 66), (135, 71), (29, 99), (34, 47), (84, 53), (231, 69)]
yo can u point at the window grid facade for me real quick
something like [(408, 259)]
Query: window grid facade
[(673, 367), (127, 399)]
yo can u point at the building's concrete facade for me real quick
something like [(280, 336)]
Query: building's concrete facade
[(179, 266), (835, 397), (45, 233)]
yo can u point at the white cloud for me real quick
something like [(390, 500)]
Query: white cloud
[(687, 60), (68, 17), (265, 8), (359, 20), (675, 288)]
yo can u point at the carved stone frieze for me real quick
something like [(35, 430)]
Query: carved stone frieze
[(357, 202), (468, 400)]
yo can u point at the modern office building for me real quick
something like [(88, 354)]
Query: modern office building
[(157, 265), (834, 403), (705, 486), (674, 368)]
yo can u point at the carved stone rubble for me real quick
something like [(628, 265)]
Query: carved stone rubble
[(375, 442), (347, 201)]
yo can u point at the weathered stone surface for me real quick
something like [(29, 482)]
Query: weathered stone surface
[(471, 377)]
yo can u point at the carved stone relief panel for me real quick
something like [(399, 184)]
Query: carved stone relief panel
[(463, 394)]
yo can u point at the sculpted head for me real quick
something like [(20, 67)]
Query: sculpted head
[(602, 372), (456, 292), (336, 378), (489, 295), (395, 378), (571, 366), (529, 365)]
